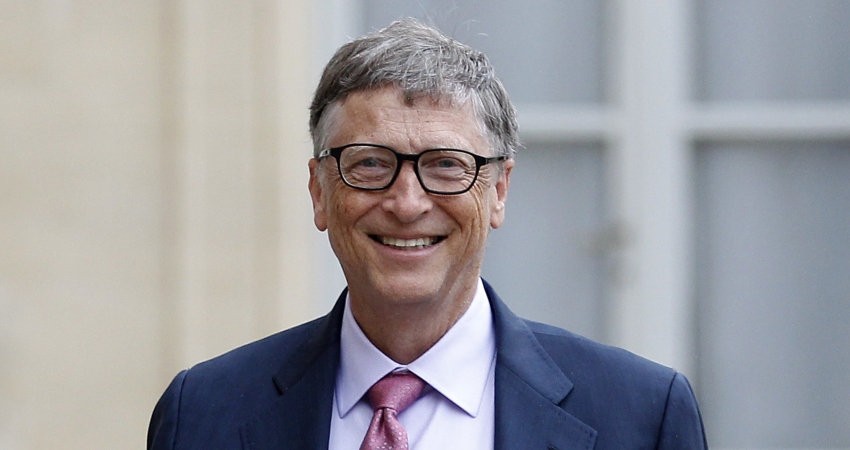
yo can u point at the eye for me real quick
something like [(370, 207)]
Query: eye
[(368, 163), (446, 163), (367, 158), (367, 166)]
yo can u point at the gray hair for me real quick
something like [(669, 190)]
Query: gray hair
[(422, 62)]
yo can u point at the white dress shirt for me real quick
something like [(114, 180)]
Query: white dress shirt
[(456, 409)]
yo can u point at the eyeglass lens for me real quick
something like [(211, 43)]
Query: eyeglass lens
[(371, 167)]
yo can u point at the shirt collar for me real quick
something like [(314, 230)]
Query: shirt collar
[(457, 366)]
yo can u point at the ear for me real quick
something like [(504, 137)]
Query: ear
[(320, 216), (497, 211)]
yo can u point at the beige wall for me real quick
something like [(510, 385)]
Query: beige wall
[(153, 208)]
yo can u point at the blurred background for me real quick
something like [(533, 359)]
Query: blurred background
[(684, 193)]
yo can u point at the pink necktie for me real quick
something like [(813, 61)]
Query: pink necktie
[(390, 396)]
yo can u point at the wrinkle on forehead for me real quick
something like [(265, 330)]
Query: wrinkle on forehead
[(434, 119)]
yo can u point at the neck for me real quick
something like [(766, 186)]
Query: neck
[(405, 331)]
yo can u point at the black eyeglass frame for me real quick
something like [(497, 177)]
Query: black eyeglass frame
[(480, 161)]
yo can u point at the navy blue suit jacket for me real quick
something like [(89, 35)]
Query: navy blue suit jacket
[(554, 391)]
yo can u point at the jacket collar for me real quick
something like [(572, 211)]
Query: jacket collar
[(530, 387), (301, 417)]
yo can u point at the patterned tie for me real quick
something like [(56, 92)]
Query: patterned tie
[(390, 396)]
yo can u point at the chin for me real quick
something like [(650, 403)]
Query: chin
[(409, 288)]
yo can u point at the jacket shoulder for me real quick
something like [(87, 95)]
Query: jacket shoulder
[(625, 397), (205, 405), (579, 355), (259, 358)]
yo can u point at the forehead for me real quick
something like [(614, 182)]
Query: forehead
[(384, 116)]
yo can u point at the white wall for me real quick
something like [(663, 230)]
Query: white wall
[(153, 203)]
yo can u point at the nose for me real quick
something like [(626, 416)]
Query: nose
[(406, 199)]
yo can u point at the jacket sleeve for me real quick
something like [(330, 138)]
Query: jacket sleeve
[(681, 427), (162, 431)]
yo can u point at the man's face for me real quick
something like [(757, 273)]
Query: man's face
[(402, 245)]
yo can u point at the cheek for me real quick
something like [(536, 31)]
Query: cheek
[(339, 213), (338, 208), (490, 207), (346, 208), (477, 214)]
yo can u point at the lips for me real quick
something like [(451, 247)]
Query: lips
[(406, 244)]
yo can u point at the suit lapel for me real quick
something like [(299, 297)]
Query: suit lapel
[(529, 389), (300, 419)]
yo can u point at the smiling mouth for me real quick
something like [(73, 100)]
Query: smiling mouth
[(407, 244)]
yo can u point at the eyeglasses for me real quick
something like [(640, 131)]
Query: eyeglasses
[(374, 167)]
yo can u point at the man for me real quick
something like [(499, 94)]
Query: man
[(414, 139)]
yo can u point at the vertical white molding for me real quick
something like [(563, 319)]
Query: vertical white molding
[(652, 298), (266, 179), (172, 112), (241, 217), (299, 266), (191, 229)]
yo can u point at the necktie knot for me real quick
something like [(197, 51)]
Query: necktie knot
[(396, 391), (390, 396)]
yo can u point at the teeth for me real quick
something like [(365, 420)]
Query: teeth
[(408, 243)]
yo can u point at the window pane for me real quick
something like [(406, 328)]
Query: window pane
[(547, 260), (773, 49), (547, 51), (773, 292)]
